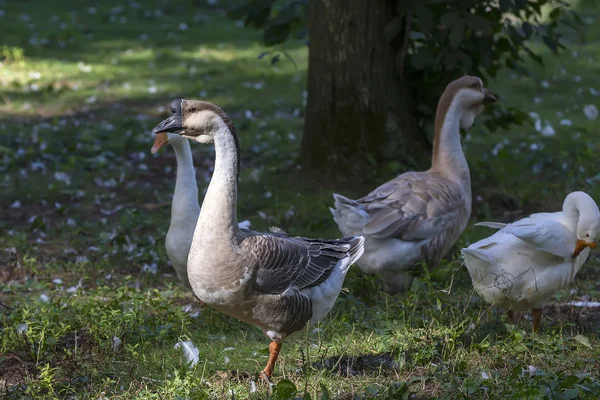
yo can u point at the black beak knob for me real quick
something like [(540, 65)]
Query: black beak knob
[(175, 106)]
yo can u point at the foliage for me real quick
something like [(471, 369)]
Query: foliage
[(11, 54), (279, 19), (441, 40)]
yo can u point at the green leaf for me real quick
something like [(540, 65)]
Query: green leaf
[(584, 341), (423, 59), (503, 45), (426, 17), (521, 4), (450, 61), (583, 375), (551, 43), (570, 394), (527, 29), (289, 57), (505, 5), (285, 389), (198, 394), (276, 33), (254, 12), (479, 23), (457, 33), (555, 13), (450, 19), (569, 381), (465, 61)]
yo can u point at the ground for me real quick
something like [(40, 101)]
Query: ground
[(90, 308)]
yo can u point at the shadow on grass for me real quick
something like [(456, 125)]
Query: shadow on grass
[(359, 364)]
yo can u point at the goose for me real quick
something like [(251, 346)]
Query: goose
[(185, 207), (526, 262), (270, 280), (418, 216)]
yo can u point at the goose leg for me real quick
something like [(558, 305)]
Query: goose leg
[(274, 349), (536, 313)]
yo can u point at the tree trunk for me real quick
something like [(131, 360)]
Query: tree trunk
[(358, 108)]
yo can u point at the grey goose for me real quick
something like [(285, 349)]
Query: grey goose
[(418, 216), (275, 282)]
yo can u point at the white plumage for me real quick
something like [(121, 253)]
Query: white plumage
[(525, 263)]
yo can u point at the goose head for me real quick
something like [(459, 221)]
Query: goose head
[(467, 96), (588, 225), (193, 119)]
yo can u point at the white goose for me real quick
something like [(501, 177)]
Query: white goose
[(185, 208), (526, 262), (275, 282), (418, 216)]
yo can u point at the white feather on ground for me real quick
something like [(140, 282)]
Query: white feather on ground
[(191, 352)]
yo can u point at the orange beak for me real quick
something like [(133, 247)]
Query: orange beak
[(161, 139), (582, 244)]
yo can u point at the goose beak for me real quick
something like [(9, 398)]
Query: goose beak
[(161, 139), (582, 244), (171, 124), (488, 97)]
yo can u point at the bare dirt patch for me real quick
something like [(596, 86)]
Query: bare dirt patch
[(14, 372)]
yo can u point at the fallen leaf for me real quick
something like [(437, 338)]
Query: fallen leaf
[(584, 341)]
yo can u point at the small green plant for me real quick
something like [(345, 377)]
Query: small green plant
[(11, 54)]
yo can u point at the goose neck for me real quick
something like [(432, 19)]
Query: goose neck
[(218, 216), (185, 196), (448, 158), (578, 205)]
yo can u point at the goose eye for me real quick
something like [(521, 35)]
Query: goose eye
[(587, 235)]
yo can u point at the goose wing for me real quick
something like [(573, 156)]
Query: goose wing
[(414, 206), (284, 263), (545, 235)]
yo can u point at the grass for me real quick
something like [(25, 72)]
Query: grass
[(84, 208)]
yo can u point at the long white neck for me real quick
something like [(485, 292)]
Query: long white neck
[(185, 207), (448, 157), (578, 205), (217, 223)]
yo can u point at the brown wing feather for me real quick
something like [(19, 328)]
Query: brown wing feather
[(414, 206), (291, 262)]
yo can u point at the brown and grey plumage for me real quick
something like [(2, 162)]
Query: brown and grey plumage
[(273, 281), (418, 216), (416, 206)]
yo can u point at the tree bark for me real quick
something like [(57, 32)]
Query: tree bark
[(358, 108)]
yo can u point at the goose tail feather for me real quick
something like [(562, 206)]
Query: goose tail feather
[(348, 215)]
